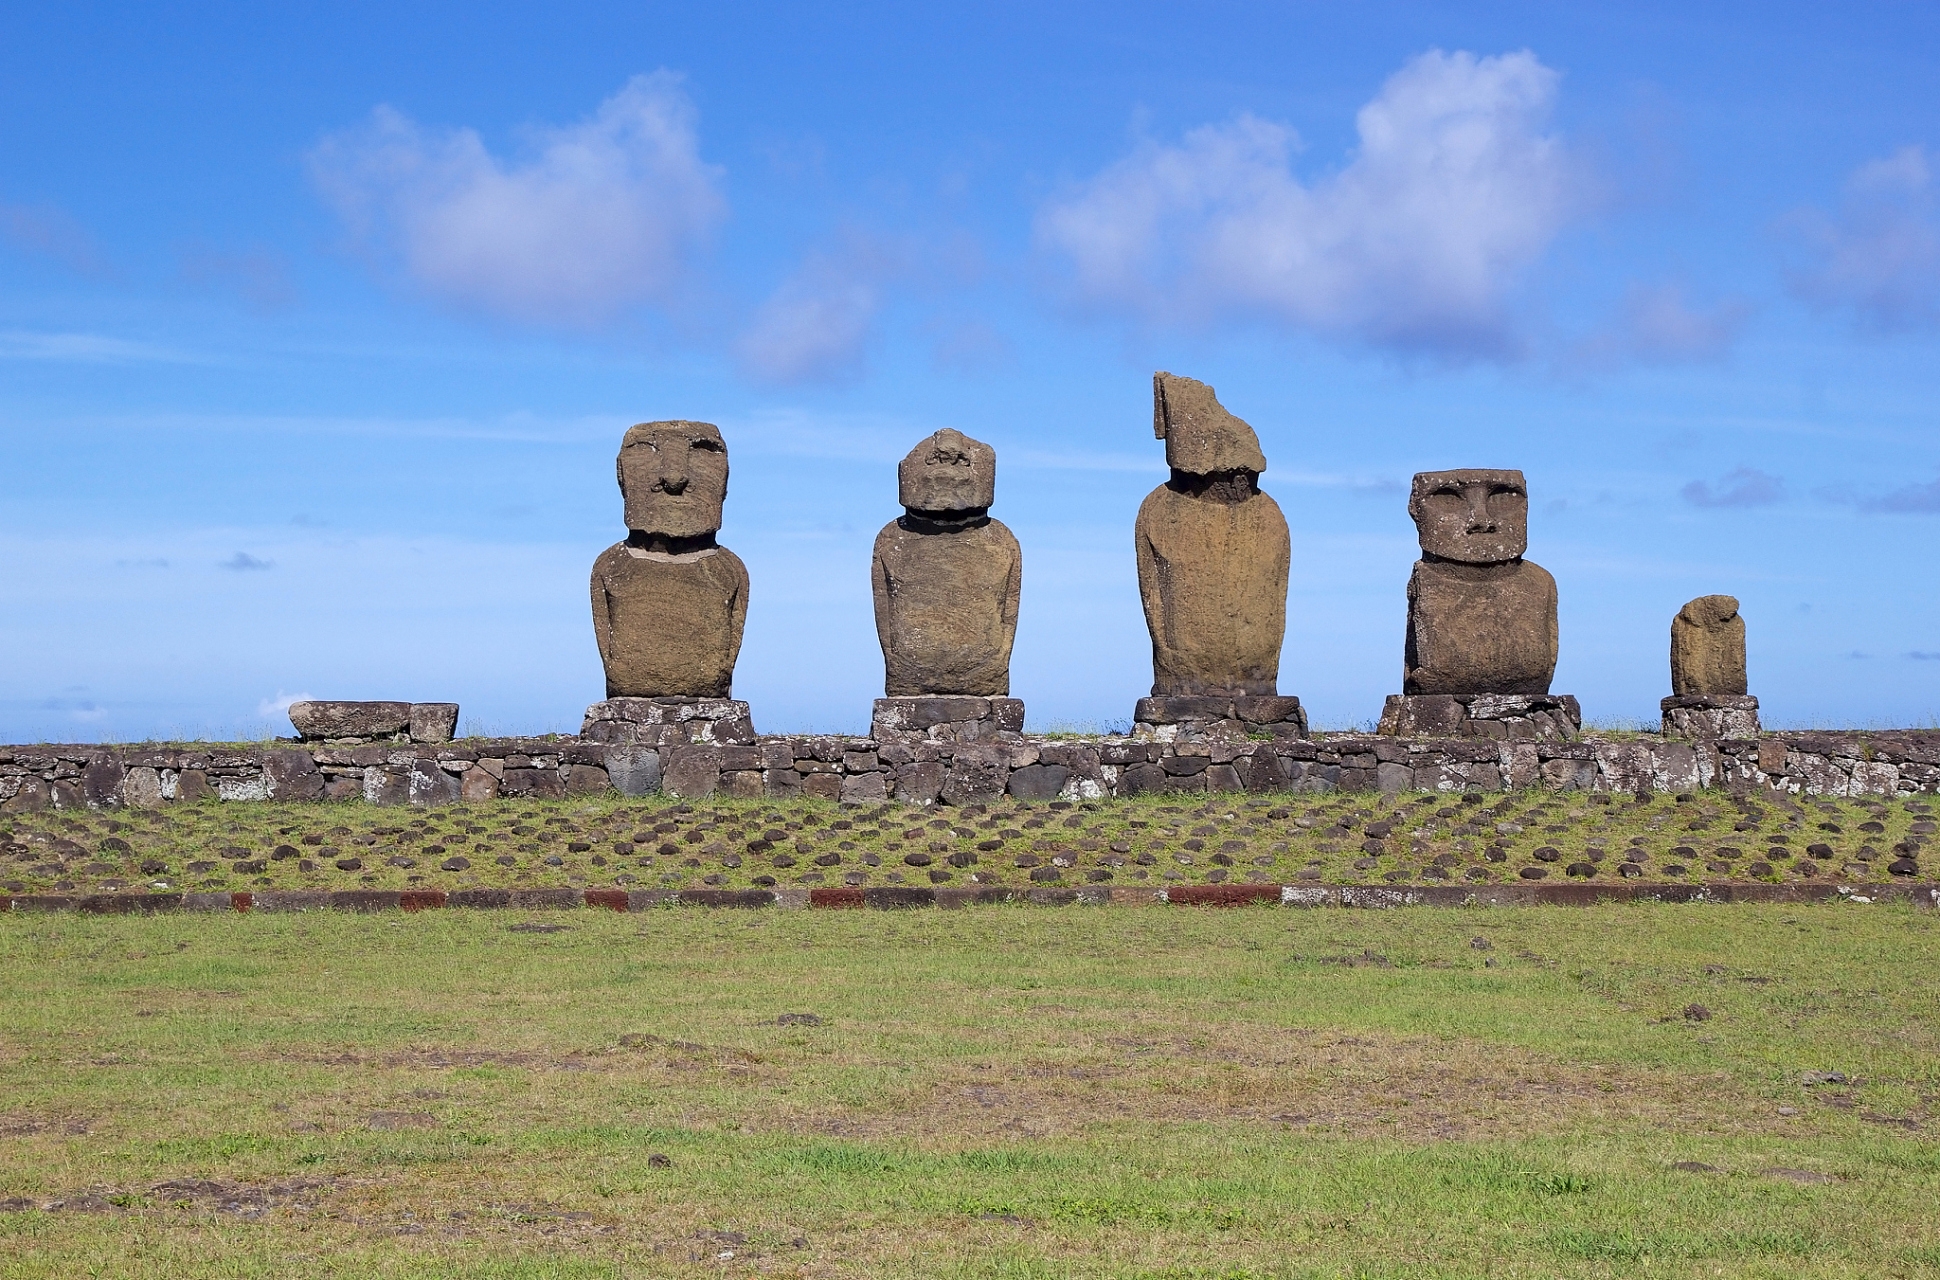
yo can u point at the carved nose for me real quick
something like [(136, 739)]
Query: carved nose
[(674, 485)]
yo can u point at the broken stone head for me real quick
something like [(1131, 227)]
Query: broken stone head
[(946, 577), (948, 473), (673, 477), (1481, 619), (1213, 552), (668, 603), (1473, 517)]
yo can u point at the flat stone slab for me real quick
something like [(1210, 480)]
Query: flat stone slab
[(935, 718), (670, 722), (1709, 717), (1515, 717), (1170, 718), (336, 721)]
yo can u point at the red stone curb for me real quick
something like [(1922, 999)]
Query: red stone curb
[(894, 897), (1223, 895)]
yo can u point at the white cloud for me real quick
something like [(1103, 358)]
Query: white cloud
[(603, 215), (1880, 256), (88, 348), (816, 325), (1657, 324), (1457, 186), (279, 706)]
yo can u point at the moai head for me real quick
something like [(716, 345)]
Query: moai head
[(1201, 438), (948, 472), (673, 478), (1475, 517), (1709, 613)]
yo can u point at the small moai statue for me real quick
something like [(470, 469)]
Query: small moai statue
[(946, 576), (1213, 555), (1482, 639), (669, 603), (1709, 697)]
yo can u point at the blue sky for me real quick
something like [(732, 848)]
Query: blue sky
[(319, 327)]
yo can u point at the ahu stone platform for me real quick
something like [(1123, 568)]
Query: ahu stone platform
[(695, 759)]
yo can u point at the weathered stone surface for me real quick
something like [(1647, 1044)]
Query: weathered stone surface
[(946, 719), (143, 788), (668, 603), (477, 785), (429, 785), (292, 775), (434, 721), (1503, 717), (693, 773), (1481, 619), (1710, 716), (1201, 717), (669, 722), (945, 576), (1471, 516), (976, 775), (321, 719), (634, 771), (1480, 628), (1038, 781), (1213, 552), (1708, 648)]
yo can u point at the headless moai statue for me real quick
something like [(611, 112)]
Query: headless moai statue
[(1708, 648), (1481, 619), (1213, 552), (946, 575), (669, 604)]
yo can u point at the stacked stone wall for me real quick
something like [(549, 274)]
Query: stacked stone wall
[(861, 770)]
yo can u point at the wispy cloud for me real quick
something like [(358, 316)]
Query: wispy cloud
[(1657, 324), (1878, 258), (89, 348), (604, 215), (1922, 655), (260, 277), (243, 562), (1917, 499), (1741, 487), (816, 325), (1457, 187), (47, 230)]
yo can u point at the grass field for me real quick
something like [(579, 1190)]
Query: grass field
[(656, 843), (1002, 1091)]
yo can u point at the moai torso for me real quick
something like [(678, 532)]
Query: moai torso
[(1480, 628), (668, 603), (669, 625), (1213, 578), (1213, 552), (1708, 648), (1481, 619), (946, 577)]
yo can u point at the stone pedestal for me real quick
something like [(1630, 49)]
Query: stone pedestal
[(1211, 717), (669, 722), (1519, 717), (1707, 717), (939, 718), (358, 723)]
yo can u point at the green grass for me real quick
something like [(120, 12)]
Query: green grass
[(1000, 1092), (660, 843)]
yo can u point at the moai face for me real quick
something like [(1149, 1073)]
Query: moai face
[(673, 478), (948, 472), (1474, 517), (1201, 437)]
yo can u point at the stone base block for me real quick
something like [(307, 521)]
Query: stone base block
[(939, 718), (359, 723), (1516, 717), (1707, 717), (1172, 719), (670, 722)]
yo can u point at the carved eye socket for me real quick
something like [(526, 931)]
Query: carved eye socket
[(706, 445)]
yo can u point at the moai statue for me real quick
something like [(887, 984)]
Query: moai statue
[(946, 580), (946, 575), (1213, 554), (669, 604), (1481, 643), (1708, 685)]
